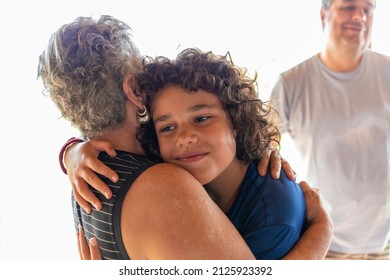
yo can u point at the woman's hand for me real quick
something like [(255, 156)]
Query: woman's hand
[(81, 164), (315, 241), (315, 211), (275, 162)]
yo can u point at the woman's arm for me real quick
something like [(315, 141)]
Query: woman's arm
[(81, 160), (313, 244), (167, 214)]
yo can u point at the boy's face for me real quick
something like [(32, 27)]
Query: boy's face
[(194, 132)]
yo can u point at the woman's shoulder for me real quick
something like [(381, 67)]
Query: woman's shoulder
[(167, 175)]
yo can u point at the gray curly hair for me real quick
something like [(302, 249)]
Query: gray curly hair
[(83, 69)]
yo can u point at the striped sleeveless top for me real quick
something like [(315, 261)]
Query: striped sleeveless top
[(105, 224)]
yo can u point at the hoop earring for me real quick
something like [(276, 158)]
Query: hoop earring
[(143, 117)]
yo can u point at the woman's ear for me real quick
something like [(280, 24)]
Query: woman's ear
[(129, 90)]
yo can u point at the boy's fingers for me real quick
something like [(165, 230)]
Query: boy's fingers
[(94, 249), (83, 246)]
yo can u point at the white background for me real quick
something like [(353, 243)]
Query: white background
[(262, 35)]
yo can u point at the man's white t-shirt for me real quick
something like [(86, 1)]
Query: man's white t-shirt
[(340, 124)]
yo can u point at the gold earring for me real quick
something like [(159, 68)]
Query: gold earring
[(143, 116)]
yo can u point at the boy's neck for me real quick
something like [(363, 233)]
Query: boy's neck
[(224, 189)]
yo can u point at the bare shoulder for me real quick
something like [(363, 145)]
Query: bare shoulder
[(167, 214), (165, 175)]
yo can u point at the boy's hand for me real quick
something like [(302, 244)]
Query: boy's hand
[(81, 163)]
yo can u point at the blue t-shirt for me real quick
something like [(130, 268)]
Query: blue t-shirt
[(268, 213)]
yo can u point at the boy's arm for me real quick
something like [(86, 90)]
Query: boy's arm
[(79, 160), (63, 150), (88, 250)]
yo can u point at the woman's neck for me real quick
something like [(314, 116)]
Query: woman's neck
[(124, 139), (224, 189)]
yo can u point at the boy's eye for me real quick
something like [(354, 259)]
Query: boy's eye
[(167, 128), (202, 118)]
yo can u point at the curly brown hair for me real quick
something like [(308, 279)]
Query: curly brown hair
[(253, 119), (83, 68)]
